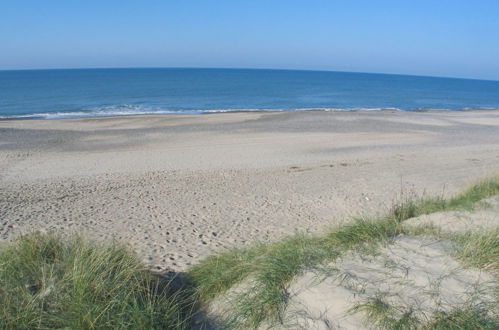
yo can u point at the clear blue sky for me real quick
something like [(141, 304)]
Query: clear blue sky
[(458, 38)]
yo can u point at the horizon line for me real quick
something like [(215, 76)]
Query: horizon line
[(243, 68)]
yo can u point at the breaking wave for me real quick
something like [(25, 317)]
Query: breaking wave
[(135, 110)]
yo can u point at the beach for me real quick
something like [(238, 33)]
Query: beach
[(178, 188)]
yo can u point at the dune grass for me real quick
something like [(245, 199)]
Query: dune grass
[(385, 316), (413, 207), (50, 282), (220, 272), (467, 199), (474, 249), (479, 250), (463, 319), (269, 268)]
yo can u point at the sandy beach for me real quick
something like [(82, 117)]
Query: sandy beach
[(180, 187)]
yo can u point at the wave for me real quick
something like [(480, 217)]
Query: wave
[(135, 110)]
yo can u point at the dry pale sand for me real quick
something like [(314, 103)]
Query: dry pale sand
[(418, 275), (180, 187)]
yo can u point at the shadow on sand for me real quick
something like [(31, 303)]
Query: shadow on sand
[(178, 285)]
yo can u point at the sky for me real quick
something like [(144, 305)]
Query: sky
[(453, 38)]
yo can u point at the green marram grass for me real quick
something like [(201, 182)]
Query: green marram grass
[(467, 199), (269, 268), (414, 207), (385, 316), (50, 282), (463, 319), (272, 267), (479, 250)]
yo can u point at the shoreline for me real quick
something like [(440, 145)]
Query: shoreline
[(70, 115)]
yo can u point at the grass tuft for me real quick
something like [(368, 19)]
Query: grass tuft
[(265, 299), (414, 207), (479, 250), (483, 189), (48, 282), (463, 319), (218, 273), (385, 316), (272, 267), (411, 208)]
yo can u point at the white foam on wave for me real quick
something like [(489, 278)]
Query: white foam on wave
[(135, 110), (106, 111), (118, 113)]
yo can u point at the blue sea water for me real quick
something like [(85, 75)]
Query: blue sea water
[(113, 92)]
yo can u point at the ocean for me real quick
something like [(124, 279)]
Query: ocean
[(69, 93)]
